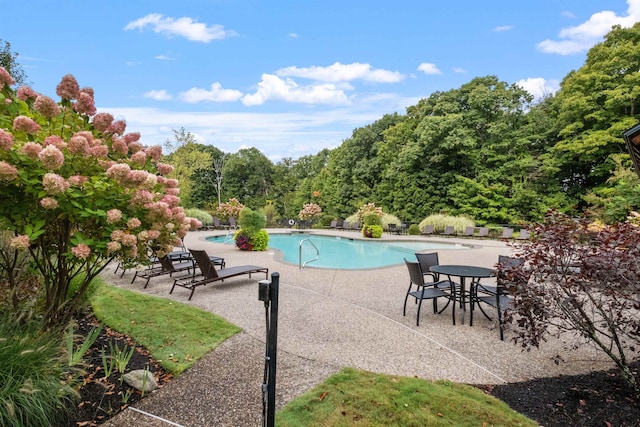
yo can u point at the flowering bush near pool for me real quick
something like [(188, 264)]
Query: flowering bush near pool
[(78, 192), (310, 211)]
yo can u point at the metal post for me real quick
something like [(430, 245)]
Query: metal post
[(272, 347)]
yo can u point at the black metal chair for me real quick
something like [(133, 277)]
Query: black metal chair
[(494, 296), (424, 290)]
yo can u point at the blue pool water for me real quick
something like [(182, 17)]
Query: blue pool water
[(346, 253)]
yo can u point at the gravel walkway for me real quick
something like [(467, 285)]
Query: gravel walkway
[(330, 319)]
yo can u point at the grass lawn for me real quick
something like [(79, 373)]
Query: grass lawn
[(175, 334)]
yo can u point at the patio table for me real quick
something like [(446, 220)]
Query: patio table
[(463, 272)]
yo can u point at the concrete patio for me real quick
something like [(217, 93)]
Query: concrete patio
[(330, 319)]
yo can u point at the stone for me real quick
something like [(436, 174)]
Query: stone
[(136, 379)]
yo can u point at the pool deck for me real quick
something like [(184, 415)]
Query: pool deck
[(330, 319)]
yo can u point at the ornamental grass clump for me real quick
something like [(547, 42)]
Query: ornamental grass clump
[(79, 192)]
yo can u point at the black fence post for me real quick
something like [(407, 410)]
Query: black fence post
[(268, 292)]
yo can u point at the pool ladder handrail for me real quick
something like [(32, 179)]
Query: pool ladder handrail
[(300, 264), (228, 238)]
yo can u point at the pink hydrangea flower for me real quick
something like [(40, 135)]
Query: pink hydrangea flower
[(118, 127), (51, 157), (173, 191), (54, 184), (20, 242), (195, 223), (31, 149), (100, 151), (25, 93), (171, 183), (139, 158), (170, 200), (26, 124), (118, 171), (155, 153), (85, 104), (5, 78), (116, 235), (81, 251), (129, 239), (86, 135), (6, 140), (153, 234), (164, 169), (113, 247), (49, 203), (151, 180), (141, 198), (68, 87), (89, 91), (78, 145), (132, 137), (137, 177), (113, 216), (56, 141), (77, 180), (7, 172), (119, 146), (46, 106), (102, 121), (134, 147), (134, 223)]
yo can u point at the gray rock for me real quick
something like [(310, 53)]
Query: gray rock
[(136, 379)]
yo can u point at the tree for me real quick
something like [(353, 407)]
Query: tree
[(187, 158), (78, 192), (579, 279), (9, 61), (248, 177), (596, 104)]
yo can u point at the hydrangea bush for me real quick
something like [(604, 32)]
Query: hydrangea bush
[(310, 211), (79, 192), (232, 208)]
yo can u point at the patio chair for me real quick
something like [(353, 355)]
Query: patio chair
[(483, 232), (218, 225), (333, 225), (428, 230), (357, 226), (494, 296), (232, 223), (424, 290), (166, 267), (507, 233), (345, 225), (449, 230), (469, 232), (524, 235), (393, 228), (210, 274)]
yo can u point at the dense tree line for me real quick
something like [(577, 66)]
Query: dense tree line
[(486, 150)]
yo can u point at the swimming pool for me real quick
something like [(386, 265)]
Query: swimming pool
[(345, 253)]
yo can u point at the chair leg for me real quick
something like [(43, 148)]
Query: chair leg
[(418, 315), (174, 285), (134, 277), (406, 297), (499, 317)]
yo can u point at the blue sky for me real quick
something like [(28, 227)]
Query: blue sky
[(291, 77)]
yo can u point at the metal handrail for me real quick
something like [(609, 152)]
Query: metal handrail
[(228, 237), (300, 264)]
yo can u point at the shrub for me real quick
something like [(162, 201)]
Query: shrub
[(414, 229), (32, 391), (310, 211), (384, 219), (232, 208), (440, 221), (270, 214), (203, 216), (583, 281), (251, 236), (374, 231)]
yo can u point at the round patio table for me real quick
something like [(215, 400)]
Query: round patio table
[(463, 272)]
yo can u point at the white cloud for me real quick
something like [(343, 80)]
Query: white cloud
[(158, 95), (293, 35), (582, 37), (216, 94), (503, 28), (164, 58), (539, 87), (338, 72), (429, 68), (459, 70), (273, 88), (183, 27)]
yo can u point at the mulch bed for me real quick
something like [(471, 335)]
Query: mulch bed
[(594, 399), (101, 398)]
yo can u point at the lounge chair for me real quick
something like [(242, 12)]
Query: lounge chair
[(524, 235), (211, 275), (166, 267), (428, 230), (357, 226), (507, 233), (449, 230), (469, 232), (483, 232)]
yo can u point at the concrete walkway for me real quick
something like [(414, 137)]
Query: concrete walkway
[(331, 319)]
